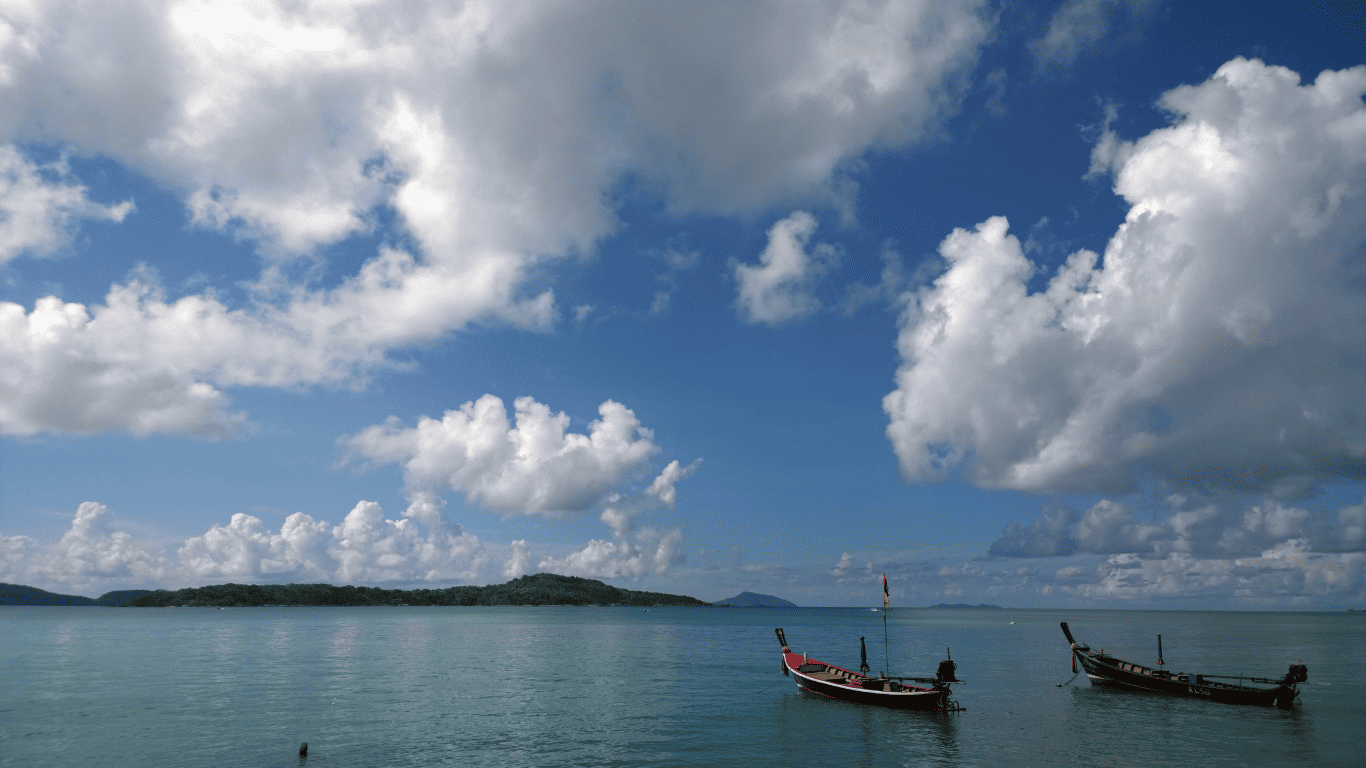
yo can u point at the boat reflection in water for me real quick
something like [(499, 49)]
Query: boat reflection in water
[(1104, 669)]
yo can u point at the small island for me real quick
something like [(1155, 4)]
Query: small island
[(754, 600), (537, 590), (18, 594)]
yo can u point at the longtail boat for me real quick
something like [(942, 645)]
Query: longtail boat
[(834, 682), (1104, 669)]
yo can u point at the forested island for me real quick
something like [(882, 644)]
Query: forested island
[(18, 594), (540, 589)]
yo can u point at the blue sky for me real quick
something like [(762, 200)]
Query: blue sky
[(1028, 304)]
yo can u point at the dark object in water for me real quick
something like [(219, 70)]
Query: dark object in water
[(303, 749), (834, 682), (1104, 669), (946, 670)]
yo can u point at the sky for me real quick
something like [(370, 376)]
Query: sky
[(1029, 304)]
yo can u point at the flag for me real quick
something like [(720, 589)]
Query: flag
[(886, 597)]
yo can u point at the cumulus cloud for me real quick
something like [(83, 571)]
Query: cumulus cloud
[(782, 287), (63, 370), (496, 134), (1109, 527), (90, 554), (1047, 536), (1278, 578), (535, 467), (662, 487), (1079, 26), (422, 546), (675, 263), (516, 565), (1289, 575), (1216, 345), (41, 206), (371, 548), (1188, 527), (649, 551), (633, 550), (842, 567)]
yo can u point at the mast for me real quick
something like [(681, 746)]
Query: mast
[(886, 606)]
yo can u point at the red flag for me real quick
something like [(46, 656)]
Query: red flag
[(885, 595)]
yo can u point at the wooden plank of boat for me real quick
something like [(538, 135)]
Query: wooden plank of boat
[(822, 679), (1103, 669)]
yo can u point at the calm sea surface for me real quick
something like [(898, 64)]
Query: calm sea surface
[(668, 687)]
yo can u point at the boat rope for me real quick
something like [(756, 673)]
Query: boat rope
[(767, 689), (1069, 680)]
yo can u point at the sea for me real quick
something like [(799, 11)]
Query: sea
[(679, 687)]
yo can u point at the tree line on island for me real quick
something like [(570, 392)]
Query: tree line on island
[(540, 589)]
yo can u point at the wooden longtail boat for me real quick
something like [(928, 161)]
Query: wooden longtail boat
[(1104, 669), (835, 682)]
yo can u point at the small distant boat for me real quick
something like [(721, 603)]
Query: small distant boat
[(1104, 669)]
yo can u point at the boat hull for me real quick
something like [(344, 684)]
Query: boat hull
[(849, 686), (1108, 671)]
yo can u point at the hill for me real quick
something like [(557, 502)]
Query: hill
[(540, 589), (18, 594), (755, 600)]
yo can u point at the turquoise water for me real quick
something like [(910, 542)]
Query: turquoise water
[(667, 687)]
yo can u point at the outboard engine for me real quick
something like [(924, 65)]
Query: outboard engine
[(1298, 673), (946, 670)]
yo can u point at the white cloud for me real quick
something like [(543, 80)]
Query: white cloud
[(662, 487), (495, 132), (518, 560), (1193, 528), (1109, 527), (646, 552), (535, 467), (1049, 535), (1214, 346), (782, 287), (1079, 26), (92, 557), (371, 548), (842, 567), (40, 206), (633, 551), (63, 370), (675, 262), (243, 549), (366, 547), (91, 553), (1280, 578)]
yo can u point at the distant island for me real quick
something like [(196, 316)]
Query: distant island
[(965, 605), (540, 589), (755, 600), (18, 594)]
